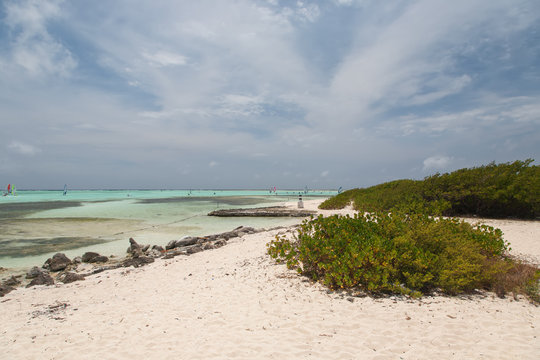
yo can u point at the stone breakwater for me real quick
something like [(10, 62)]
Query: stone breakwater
[(274, 211), (60, 268)]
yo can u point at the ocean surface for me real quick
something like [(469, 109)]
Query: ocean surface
[(34, 225)]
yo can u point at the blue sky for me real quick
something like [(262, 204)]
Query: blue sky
[(253, 94)]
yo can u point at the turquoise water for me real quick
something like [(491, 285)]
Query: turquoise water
[(103, 195), (36, 224)]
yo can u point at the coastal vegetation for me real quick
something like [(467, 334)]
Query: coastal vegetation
[(496, 190), (398, 242), (410, 254)]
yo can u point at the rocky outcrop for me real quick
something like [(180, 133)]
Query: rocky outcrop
[(35, 272), (138, 255), (9, 285), (93, 257), (208, 242), (5, 289), (186, 241), (57, 263), (69, 277), (138, 261), (135, 250), (42, 279), (13, 281), (274, 211)]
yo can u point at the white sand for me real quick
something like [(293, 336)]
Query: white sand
[(233, 302)]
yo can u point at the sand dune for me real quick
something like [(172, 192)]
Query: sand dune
[(234, 302)]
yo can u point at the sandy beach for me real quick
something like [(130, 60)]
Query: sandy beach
[(236, 303)]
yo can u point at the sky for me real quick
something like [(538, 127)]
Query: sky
[(255, 94)]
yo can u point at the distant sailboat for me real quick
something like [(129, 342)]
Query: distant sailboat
[(65, 189), (10, 190)]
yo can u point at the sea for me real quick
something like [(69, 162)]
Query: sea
[(34, 225)]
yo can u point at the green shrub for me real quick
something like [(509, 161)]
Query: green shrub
[(397, 253), (339, 201), (503, 190)]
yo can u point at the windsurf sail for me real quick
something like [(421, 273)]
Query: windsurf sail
[(340, 190), (65, 189), (10, 190)]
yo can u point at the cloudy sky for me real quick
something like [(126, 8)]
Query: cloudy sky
[(253, 94)]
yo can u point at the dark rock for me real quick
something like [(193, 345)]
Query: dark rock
[(187, 241), (229, 235), (104, 268), (154, 253), (194, 249), (138, 261), (134, 248), (41, 279), (77, 260), (69, 277), (172, 253), (89, 256), (100, 259), (4, 289), (93, 257), (58, 262), (145, 248), (13, 281), (34, 272), (220, 243), (158, 248), (208, 246)]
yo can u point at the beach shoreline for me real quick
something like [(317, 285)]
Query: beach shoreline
[(235, 302)]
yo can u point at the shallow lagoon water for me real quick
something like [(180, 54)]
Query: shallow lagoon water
[(34, 225)]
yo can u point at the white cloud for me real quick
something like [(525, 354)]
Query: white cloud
[(254, 84), (23, 149), (344, 2), (437, 163), (307, 12), (444, 86), (509, 115), (408, 59), (34, 48), (165, 58), (239, 105)]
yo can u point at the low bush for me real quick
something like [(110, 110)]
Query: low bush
[(406, 254), (494, 190)]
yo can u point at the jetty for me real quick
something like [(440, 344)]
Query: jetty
[(272, 211)]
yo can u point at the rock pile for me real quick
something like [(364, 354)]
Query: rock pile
[(273, 211), (190, 245), (61, 268)]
